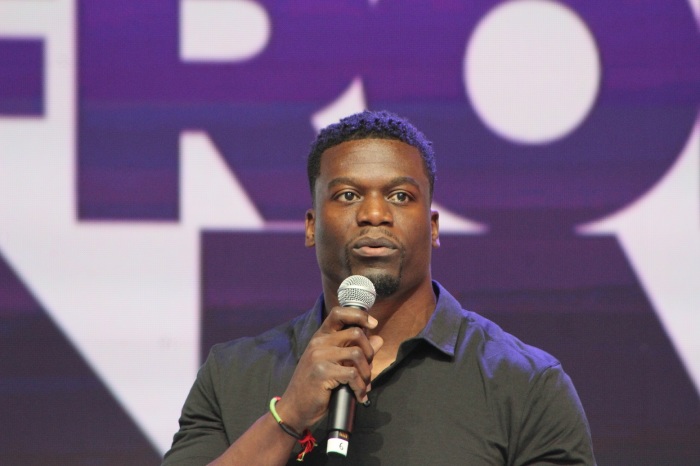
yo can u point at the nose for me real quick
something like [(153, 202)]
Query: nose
[(374, 210)]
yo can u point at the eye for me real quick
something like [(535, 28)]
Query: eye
[(347, 196), (400, 197)]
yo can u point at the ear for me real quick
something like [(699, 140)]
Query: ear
[(435, 228), (310, 228)]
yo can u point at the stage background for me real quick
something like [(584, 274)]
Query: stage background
[(152, 193)]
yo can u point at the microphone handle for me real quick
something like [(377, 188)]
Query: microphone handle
[(358, 292), (341, 416)]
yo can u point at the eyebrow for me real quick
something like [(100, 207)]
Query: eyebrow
[(399, 180)]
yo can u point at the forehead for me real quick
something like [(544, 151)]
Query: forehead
[(372, 157)]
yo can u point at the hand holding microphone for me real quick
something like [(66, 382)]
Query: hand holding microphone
[(358, 292), (339, 354)]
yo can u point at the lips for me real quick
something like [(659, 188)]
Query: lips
[(374, 247), (374, 243)]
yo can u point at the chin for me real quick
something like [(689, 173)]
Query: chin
[(384, 283)]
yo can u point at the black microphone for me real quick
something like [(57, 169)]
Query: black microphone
[(358, 292)]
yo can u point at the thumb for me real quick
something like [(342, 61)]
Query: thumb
[(376, 342)]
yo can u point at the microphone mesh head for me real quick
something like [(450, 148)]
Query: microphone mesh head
[(357, 291)]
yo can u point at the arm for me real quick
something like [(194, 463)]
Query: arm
[(554, 429), (335, 355)]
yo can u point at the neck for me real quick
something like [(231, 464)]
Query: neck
[(403, 316)]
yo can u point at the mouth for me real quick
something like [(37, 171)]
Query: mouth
[(374, 247)]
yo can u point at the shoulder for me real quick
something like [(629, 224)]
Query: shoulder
[(523, 377), (499, 349), (526, 387), (477, 338), (501, 360)]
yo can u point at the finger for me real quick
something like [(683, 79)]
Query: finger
[(354, 356), (376, 342), (360, 379), (360, 385), (341, 317), (321, 361), (357, 379), (355, 337)]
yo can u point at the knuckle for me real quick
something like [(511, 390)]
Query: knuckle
[(319, 370), (352, 373), (356, 354), (312, 345)]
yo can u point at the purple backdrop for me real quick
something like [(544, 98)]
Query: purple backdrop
[(577, 297)]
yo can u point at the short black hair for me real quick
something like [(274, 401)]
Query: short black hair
[(369, 124)]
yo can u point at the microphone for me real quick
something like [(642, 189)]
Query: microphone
[(358, 292)]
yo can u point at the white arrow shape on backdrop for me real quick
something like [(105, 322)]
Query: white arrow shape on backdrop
[(660, 234)]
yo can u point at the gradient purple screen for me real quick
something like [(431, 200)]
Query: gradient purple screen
[(575, 296)]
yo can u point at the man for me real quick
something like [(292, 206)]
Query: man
[(438, 385)]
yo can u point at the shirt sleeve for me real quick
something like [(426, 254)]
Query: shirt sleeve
[(554, 429), (201, 437)]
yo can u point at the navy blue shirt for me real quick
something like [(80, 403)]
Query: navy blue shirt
[(463, 391)]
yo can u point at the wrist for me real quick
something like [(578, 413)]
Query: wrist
[(305, 438), (288, 417)]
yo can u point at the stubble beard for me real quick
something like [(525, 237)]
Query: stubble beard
[(385, 283)]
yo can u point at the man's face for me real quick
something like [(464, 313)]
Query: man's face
[(372, 215)]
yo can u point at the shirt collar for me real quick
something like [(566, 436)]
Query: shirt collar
[(442, 329)]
